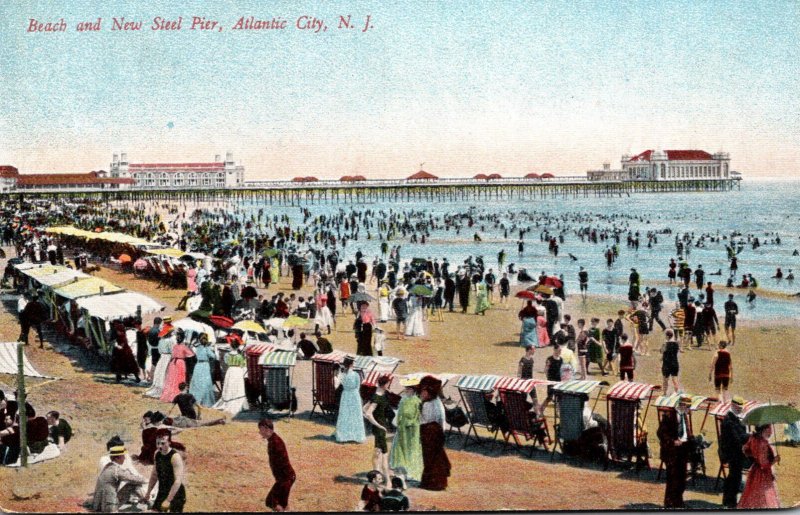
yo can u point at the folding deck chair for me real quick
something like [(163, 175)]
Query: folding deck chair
[(570, 398), (666, 409), (627, 441), (278, 394), (254, 379), (323, 389), (473, 391), (719, 412), (522, 422)]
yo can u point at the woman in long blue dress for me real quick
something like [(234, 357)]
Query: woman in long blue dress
[(350, 421), (202, 386), (528, 333)]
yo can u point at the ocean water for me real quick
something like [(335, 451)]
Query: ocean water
[(759, 209)]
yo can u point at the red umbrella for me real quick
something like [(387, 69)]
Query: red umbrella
[(553, 282), (525, 295), (221, 321)]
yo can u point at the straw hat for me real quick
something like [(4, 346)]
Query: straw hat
[(410, 382), (738, 400), (118, 450)]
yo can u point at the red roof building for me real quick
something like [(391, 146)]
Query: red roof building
[(481, 177), (494, 176), (547, 176), (533, 176), (422, 175), (676, 164), (197, 175), (71, 181)]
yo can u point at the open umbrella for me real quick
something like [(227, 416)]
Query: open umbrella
[(193, 326), (249, 325), (271, 253), (541, 288), (221, 321), (525, 294), (421, 290), (553, 282), (295, 321), (360, 297), (772, 414)]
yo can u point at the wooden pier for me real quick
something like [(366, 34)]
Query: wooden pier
[(286, 193)]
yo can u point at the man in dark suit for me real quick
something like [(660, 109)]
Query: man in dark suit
[(733, 436), (449, 292), (673, 433)]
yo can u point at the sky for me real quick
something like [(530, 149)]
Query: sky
[(458, 88)]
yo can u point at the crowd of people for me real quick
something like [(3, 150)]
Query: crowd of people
[(185, 370)]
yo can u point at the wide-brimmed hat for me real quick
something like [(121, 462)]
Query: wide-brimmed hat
[(738, 400), (410, 382), (431, 384), (685, 399)]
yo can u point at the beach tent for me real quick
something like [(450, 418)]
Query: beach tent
[(9, 365), (86, 287), (119, 305)]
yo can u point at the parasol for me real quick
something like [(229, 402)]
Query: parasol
[(553, 282), (249, 325), (275, 323), (221, 321), (271, 253), (421, 290), (541, 288), (295, 321), (193, 326), (772, 414), (525, 294), (361, 297)]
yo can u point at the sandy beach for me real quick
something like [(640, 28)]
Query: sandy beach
[(227, 465)]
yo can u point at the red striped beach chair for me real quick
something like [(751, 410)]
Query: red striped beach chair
[(627, 441), (719, 412), (522, 422)]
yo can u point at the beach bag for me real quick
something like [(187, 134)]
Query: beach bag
[(455, 417)]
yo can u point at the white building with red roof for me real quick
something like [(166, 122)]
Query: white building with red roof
[(668, 165), (175, 176), (655, 165)]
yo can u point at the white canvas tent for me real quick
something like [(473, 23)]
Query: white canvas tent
[(118, 305), (8, 361)]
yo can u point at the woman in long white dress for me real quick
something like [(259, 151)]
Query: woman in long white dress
[(383, 301), (324, 317), (165, 343), (415, 326), (233, 399)]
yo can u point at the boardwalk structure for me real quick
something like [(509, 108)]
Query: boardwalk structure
[(289, 192)]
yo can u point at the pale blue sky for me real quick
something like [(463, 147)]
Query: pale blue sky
[(466, 87)]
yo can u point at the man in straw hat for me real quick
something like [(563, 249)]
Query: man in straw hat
[(116, 483), (733, 435), (673, 433)]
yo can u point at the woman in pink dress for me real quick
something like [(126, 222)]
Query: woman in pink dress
[(191, 280), (176, 371), (760, 491), (541, 326)]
